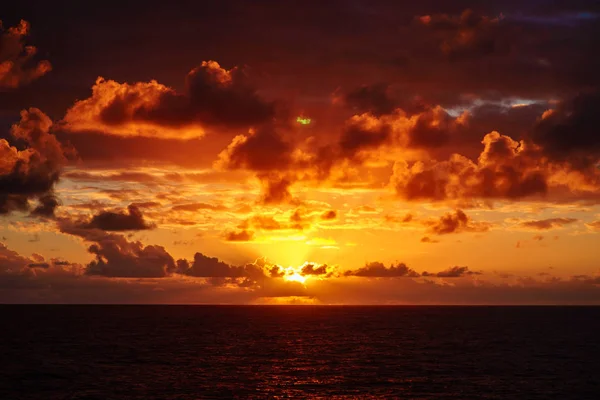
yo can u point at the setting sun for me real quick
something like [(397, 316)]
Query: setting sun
[(291, 274)]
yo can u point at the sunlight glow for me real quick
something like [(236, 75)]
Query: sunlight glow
[(295, 277)]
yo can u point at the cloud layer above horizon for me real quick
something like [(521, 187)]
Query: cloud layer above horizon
[(451, 157)]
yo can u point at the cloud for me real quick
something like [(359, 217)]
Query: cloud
[(456, 222), (429, 129), (329, 215), (193, 207), (261, 150), (263, 222), (595, 225), (547, 224), (322, 270), (39, 265), (132, 220), (454, 272), (504, 170), (115, 256), (11, 260), (395, 219), (16, 66), (47, 204), (297, 221), (427, 239), (211, 267), (214, 98), (33, 172), (276, 188), (239, 236), (378, 270), (570, 132), (265, 152), (12, 263), (467, 35), (374, 99)]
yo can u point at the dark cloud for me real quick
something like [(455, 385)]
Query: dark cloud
[(16, 59), (239, 236), (214, 97), (131, 220), (493, 54), (115, 256), (505, 169), (33, 172), (427, 239), (47, 204), (261, 150), (61, 263), (310, 269), (454, 272), (359, 136), (547, 224), (378, 270), (375, 99), (429, 129), (570, 132), (39, 265), (467, 35), (211, 267), (146, 204), (329, 215), (276, 188), (456, 222), (276, 271), (265, 152)]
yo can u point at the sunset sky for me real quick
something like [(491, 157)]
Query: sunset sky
[(318, 152)]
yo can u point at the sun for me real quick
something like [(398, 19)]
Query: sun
[(295, 277), (292, 274)]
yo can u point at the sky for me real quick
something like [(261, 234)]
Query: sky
[(300, 152)]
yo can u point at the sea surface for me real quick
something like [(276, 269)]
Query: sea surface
[(299, 352)]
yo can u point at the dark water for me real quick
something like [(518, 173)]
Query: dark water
[(196, 352)]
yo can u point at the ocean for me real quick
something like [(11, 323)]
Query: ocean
[(298, 352)]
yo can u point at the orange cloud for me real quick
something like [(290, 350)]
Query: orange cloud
[(379, 270), (239, 236), (329, 215), (426, 130), (594, 225), (456, 222), (214, 98), (454, 272), (505, 169), (547, 224), (16, 57), (31, 173)]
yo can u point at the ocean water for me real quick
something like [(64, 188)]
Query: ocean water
[(299, 352)]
